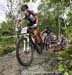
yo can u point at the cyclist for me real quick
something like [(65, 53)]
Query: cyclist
[(46, 33), (33, 21), (46, 30)]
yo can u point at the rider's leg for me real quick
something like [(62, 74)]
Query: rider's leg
[(37, 36)]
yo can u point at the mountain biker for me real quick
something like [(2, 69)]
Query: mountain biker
[(33, 21), (46, 33), (46, 30)]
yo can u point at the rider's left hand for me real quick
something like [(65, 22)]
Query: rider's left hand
[(35, 26)]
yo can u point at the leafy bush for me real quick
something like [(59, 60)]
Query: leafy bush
[(66, 53), (70, 40), (6, 50), (69, 50), (7, 45)]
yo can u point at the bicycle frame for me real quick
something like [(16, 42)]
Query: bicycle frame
[(25, 34), (27, 37)]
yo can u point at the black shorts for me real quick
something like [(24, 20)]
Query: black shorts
[(31, 23)]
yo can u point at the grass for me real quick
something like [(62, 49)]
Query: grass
[(67, 53), (7, 45), (65, 63)]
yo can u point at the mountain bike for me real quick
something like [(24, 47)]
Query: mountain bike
[(48, 44), (25, 46)]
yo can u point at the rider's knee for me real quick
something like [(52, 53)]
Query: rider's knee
[(35, 32)]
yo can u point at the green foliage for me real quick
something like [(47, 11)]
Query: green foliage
[(66, 53), (26, 0), (7, 45), (69, 51), (70, 17), (60, 67), (51, 10), (7, 29), (70, 40), (70, 72), (6, 50)]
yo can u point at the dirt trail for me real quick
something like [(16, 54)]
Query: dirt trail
[(41, 64)]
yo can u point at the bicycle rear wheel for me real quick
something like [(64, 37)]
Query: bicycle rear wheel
[(23, 55), (46, 43)]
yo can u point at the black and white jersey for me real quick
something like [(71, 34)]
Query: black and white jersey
[(30, 17)]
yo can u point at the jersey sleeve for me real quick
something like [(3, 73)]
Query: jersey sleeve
[(34, 14)]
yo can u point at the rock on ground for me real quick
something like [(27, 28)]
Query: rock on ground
[(41, 64)]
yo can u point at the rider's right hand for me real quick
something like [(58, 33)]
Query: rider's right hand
[(33, 26), (16, 29)]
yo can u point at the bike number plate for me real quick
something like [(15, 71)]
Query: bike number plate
[(24, 30)]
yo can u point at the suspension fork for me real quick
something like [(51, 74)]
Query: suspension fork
[(26, 44)]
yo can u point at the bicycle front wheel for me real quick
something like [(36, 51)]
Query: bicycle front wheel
[(24, 53)]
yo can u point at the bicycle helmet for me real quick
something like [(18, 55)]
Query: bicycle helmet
[(24, 7), (47, 27)]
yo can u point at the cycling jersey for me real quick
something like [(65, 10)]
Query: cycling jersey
[(47, 31), (30, 18)]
